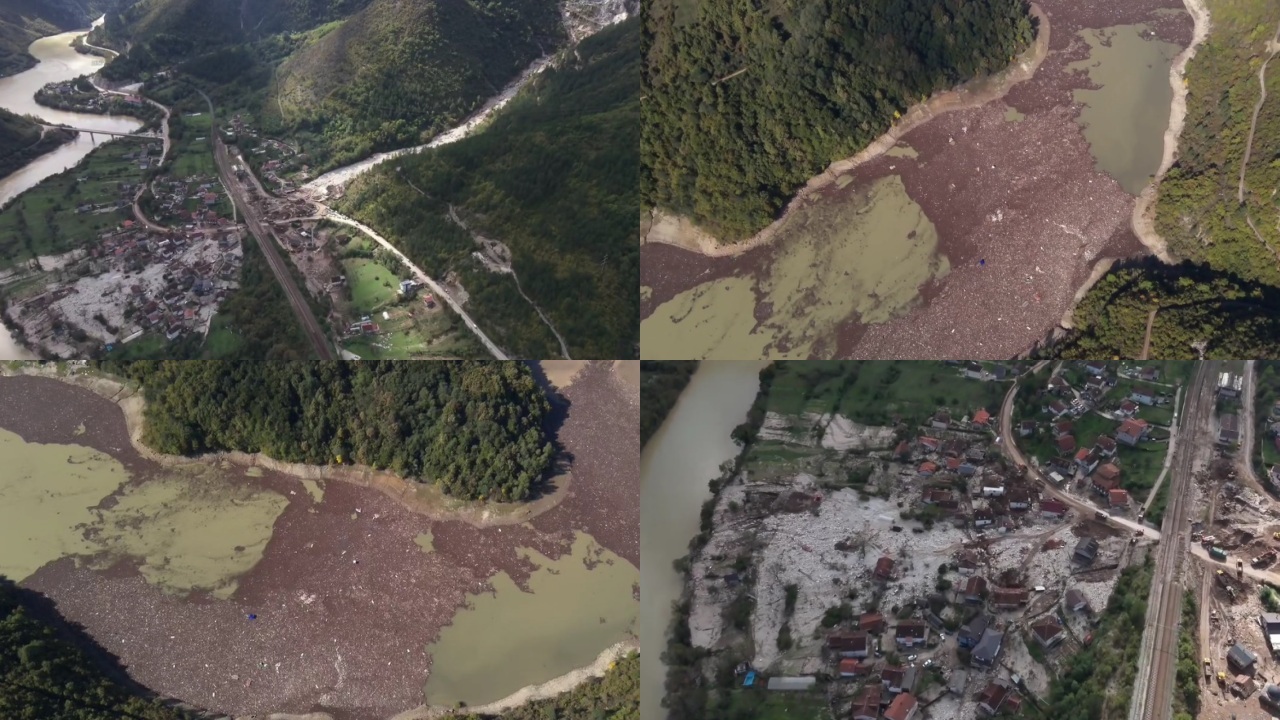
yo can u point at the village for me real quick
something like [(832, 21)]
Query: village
[(927, 568)]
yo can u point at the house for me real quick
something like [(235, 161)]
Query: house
[(872, 623), (911, 633), (967, 563), (1095, 367), (1144, 395), (1149, 374), (1057, 408), (940, 421), (1119, 499), (1062, 464), (1243, 686), (1086, 460), (898, 679), (1008, 598), (1241, 659), (1106, 478), (903, 707), (884, 568), (1271, 630), (1066, 444), (1075, 601), (1026, 428), (930, 444), (849, 644), (407, 287), (1062, 428), (987, 651), (1058, 385), (1020, 499), (1047, 631), (903, 451), (1053, 508), (1127, 409), (1230, 385), (867, 705), (972, 631), (1131, 432), (983, 518), (928, 468), (1228, 429), (993, 696), (992, 486), (794, 684), (849, 667), (981, 419), (1105, 445), (1086, 550), (975, 589)]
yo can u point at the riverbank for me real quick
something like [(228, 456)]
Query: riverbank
[(421, 498), (1144, 210), (675, 230)]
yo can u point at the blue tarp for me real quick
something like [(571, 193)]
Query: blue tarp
[(750, 680)]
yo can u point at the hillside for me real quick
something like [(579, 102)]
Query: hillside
[(52, 670), (22, 21), (554, 178), (21, 142), (747, 100)]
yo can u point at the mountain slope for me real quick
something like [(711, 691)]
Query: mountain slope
[(22, 21), (21, 142), (553, 177)]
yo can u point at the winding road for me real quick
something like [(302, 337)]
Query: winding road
[(1257, 110)]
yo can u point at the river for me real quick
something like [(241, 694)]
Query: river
[(679, 459), (58, 62)]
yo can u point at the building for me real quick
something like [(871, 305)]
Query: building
[(1095, 367), (1057, 408), (911, 633), (972, 631), (1131, 432), (1241, 659), (884, 568), (940, 421), (1086, 551), (1144, 395), (981, 419), (1106, 478), (872, 623), (1075, 601), (993, 696), (903, 707), (1062, 428), (1053, 508), (867, 705), (987, 651), (1065, 444), (1119, 499), (1230, 385), (849, 667), (1271, 630), (849, 644), (793, 684), (407, 287), (1047, 631), (1020, 499), (896, 678), (1228, 429), (1127, 409), (1105, 445), (1026, 428)]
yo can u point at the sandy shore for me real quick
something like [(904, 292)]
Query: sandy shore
[(681, 232), (1144, 211)]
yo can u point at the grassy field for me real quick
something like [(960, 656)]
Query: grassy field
[(372, 284), (763, 705), (193, 154), (872, 392), (44, 221)]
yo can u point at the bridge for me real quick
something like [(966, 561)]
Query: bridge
[(92, 133)]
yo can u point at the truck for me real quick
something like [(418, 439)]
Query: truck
[(1265, 559), (1218, 553), (1101, 515), (1208, 670)]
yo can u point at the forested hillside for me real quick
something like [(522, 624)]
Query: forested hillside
[(554, 178), (745, 101), (46, 673), (1199, 211), (616, 696), (21, 142), (1197, 309), (477, 429), (661, 382), (22, 21)]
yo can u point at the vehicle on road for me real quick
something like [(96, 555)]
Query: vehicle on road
[(1218, 553), (1101, 516)]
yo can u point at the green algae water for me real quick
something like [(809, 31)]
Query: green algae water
[(578, 606), (48, 493)]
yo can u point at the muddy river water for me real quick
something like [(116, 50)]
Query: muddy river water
[(58, 61), (676, 464), (361, 608), (968, 239)]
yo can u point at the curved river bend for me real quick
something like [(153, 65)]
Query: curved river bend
[(58, 62)]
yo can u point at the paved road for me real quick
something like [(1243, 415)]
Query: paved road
[(1153, 687), (266, 241)]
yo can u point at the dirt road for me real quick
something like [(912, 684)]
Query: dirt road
[(681, 232), (1257, 109)]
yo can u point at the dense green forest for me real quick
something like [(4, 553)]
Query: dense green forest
[(616, 696), (52, 670), (480, 430), (661, 382), (1198, 211), (819, 79), (1098, 681), (20, 141), (554, 178), (344, 78), (1197, 309)]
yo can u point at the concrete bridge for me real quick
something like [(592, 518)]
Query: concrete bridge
[(93, 133)]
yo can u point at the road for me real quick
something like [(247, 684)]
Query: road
[(266, 241), (1154, 685), (1247, 427), (164, 154), (1257, 109), (421, 277)]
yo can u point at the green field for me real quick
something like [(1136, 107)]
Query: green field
[(193, 153), (44, 221), (872, 392), (763, 705), (372, 284)]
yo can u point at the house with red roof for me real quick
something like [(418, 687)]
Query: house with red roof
[(1131, 432), (867, 705), (1105, 445), (1053, 508), (981, 419), (1106, 478), (884, 568), (1119, 499), (903, 707), (1065, 444)]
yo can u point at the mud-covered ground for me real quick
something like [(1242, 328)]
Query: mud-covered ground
[(1020, 209), (331, 633)]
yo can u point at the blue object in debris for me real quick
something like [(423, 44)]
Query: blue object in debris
[(983, 261), (750, 679), (253, 617)]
